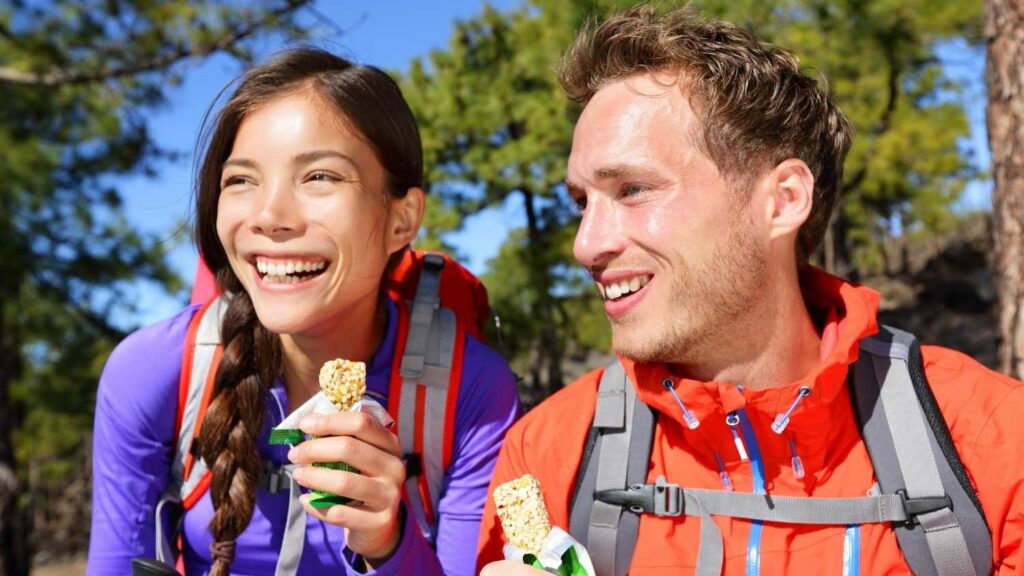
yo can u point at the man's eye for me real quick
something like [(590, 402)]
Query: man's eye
[(633, 189)]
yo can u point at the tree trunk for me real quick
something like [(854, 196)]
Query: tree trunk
[(1004, 32), (14, 550), (550, 349)]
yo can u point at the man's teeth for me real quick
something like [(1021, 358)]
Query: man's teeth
[(615, 290), (285, 267)]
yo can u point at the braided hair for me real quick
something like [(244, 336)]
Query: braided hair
[(372, 103)]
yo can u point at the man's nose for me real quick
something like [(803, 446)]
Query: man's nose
[(599, 237)]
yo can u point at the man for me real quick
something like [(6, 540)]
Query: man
[(707, 166)]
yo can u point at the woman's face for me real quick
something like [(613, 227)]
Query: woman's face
[(302, 216)]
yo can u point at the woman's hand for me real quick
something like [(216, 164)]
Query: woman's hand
[(372, 527)]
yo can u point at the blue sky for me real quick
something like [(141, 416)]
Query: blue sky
[(388, 34)]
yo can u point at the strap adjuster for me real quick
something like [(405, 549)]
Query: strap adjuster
[(413, 464), (273, 478), (432, 261), (923, 505), (660, 498)]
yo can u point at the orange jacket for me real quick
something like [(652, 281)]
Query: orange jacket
[(984, 410)]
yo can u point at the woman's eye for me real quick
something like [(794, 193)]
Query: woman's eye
[(232, 181), (323, 177)]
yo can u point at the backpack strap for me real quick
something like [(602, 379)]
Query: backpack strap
[(621, 437), (424, 391), (899, 417)]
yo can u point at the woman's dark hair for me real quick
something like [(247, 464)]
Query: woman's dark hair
[(372, 104)]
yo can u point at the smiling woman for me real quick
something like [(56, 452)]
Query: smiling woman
[(309, 191)]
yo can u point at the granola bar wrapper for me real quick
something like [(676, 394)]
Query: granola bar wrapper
[(329, 401), (531, 538)]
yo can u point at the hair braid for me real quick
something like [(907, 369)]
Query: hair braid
[(233, 423)]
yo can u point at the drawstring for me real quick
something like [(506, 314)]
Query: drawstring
[(726, 481), (688, 416), (782, 420), (798, 464), (733, 420)]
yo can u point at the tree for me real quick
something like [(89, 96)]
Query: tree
[(1004, 26), (76, 79), (496, 132), (879, 60)]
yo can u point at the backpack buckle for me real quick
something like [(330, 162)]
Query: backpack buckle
[(432, 261), (660, 498), (272, 478), (917, 506), (413, 464)]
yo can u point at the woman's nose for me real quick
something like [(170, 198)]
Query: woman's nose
[(278, 211)]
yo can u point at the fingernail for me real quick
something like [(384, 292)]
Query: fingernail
[(292, 453), (311, 421), (297, 474)]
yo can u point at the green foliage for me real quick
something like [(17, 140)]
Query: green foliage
[(76, 79), (878, 60), (497, 131)]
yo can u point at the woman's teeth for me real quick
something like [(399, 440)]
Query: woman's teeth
[(614, 290), (288, 271)]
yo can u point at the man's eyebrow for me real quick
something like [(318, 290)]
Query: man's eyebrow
[(573, 187), (615, 171)]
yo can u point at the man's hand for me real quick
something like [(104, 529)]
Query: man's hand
[(510, 568)]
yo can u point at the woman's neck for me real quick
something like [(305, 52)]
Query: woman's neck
[(354, 338)]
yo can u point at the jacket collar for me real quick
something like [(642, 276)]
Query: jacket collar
[(844, 312)]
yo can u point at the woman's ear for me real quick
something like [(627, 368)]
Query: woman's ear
[(406, 216), (791, 197)]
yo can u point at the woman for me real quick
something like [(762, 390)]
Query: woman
[(309, 189)]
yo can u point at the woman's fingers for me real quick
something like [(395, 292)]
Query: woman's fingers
[(357, 424), (354, 451), (374, 493), (372, 534)]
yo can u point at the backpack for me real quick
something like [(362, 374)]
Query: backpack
[(447, 302), (925, 493)]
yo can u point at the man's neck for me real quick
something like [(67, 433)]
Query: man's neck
[(774, 344)]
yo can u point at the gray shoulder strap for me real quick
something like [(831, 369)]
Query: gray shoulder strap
[(427, 363), (954, 539), (624, 429)]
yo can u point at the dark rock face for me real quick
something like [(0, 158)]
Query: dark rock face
[(946, 294)]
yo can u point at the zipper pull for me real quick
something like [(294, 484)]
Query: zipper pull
[(782, 420), (798, 464), (688, 417), (722, 474), (733, 420)]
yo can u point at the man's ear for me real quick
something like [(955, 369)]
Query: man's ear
[(406, 216), (791, 196)]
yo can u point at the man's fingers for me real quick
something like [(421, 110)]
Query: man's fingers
[(510, 568)]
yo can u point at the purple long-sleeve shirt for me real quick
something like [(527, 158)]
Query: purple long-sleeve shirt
[(134, 441)]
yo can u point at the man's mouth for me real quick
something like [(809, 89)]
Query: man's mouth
[(624, 287), (289, 271)]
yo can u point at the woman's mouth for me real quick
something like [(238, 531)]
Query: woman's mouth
[(289, 270)]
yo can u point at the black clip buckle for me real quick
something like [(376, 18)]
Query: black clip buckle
[(413, 464), (923, 505), (273, 478), (660, 498), (433, 261)]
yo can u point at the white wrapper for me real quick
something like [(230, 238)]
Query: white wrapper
[(319, 404), (555, 545)]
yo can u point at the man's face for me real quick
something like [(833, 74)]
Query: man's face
[(672, 246)]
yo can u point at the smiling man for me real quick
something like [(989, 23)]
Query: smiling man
[(757, 419)]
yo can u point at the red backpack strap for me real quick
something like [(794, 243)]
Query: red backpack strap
[(199, 363), (424, 390)]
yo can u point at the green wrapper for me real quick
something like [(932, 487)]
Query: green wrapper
[(319, 499), (571, 565)]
